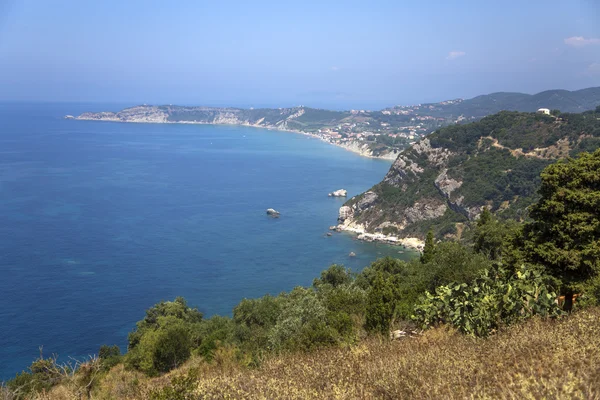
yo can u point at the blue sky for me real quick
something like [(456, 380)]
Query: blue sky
[(337, 54)]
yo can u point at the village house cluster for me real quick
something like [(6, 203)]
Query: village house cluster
[(368, 126)]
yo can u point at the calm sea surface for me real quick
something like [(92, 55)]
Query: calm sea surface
[(99, 221)]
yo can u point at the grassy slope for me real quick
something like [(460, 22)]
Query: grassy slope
[(538, 359)]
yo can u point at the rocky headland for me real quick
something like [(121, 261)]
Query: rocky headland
[(445, 180)]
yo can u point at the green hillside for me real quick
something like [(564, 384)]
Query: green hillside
[(449, 176)]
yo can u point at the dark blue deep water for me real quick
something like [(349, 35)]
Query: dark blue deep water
[(99, 221)]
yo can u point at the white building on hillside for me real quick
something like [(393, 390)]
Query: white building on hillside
[(544, 111)]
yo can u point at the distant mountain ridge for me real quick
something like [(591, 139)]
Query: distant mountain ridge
[(564, 100)]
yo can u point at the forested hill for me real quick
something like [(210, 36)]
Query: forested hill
[(449, 176), (481, 106), (564, 100)]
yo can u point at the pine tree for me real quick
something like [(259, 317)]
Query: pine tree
[(565, 233), (485, 217), (381, 304), (429, 248)]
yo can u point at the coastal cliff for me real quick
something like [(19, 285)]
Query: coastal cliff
[(447, 178)]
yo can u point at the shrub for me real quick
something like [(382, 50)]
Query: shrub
[(109, 356), (394, 286), (165, 337), (301, 311), (213, 332), (492, 237), (164, 311), (336, 275), (495, 299), (171, 348), (382, 302), (161, 350), (182, 387), (386, 265), (253, 319), (43, 374), (451, 262), (390, 230), (261, 312), (349, 299)]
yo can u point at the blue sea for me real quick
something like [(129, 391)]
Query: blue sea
[(101, 220)]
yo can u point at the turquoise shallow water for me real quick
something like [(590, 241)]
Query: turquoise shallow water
[(99, 221)]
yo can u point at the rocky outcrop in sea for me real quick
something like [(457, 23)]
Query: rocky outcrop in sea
[(338, 193)]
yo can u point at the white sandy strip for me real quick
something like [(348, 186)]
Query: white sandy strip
[(411, 242)]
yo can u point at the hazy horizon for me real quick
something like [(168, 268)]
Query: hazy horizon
[(339, 55), (233, 105)]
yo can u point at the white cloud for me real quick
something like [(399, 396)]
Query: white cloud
[(453, 55), (593, 69), (580, 41), (334, 68)]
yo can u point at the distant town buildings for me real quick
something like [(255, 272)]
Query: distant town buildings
[(394, 127)]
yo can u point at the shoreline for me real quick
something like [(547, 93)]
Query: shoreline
[(388, 157), (312, 135), (411, 243)]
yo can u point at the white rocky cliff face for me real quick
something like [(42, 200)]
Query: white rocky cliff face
[(373, 213), (133, 114)]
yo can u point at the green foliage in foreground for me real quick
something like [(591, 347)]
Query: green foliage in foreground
[(565, 232), (562, 242), (336, 310), (43, 374), (504, 272), (182, 387), (394, 286), (162, 350), (109, 356), (382, 303), (164, 339), (496, 298)]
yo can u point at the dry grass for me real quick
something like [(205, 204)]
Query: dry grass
[(539, 359)]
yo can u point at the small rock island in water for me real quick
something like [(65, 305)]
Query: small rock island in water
[(273, 213), (339, 193)]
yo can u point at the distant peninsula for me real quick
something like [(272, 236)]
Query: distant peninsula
[(378, 134)]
